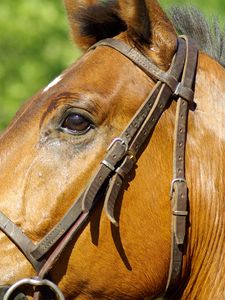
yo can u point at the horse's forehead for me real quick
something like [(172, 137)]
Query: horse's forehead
[(53, 83), (97, 70), (102, 79), (99, 75)]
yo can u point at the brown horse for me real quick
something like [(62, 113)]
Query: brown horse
[(54, 145)]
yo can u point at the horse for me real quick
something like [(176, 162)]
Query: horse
[(122, 249)]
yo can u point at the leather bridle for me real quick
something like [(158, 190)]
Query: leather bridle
[(175, 84)]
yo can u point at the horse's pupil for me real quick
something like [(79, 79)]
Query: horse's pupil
[(76, 122)]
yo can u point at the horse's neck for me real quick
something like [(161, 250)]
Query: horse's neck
[(206, 173)]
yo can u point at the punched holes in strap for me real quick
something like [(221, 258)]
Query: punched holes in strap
[(179, 189)]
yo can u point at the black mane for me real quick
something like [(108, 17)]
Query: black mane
[(208, 35)]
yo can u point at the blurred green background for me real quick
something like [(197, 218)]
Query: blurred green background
[(35, 46)]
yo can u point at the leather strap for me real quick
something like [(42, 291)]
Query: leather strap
[(19, 239), (157, 107), (58, 231), (179, 190), (148, 66)]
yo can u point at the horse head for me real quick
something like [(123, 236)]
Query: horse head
[(63, 133)]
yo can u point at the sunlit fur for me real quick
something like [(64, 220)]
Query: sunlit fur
[(43, 170)]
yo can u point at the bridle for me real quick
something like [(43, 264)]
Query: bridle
[(177, 83)]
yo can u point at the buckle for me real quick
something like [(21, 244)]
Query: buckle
[(120, 150), (121, 141), (35, 282), (179, 179)]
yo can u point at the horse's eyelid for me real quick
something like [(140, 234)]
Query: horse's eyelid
[(79, 111)]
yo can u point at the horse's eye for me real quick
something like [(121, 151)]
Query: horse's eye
[(76, 124)]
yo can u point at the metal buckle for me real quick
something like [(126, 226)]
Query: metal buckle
[(125, 146), (123, 143), (34, 282), (173, 182)]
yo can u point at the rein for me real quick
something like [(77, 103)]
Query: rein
[(177, 83)]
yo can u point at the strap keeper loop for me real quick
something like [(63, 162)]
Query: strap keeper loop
[(184, 92), (108, 164), (180, 213), (127, 165)]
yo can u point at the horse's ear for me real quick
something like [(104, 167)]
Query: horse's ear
[(148, 24), (144, 20), (135, 14), (72, 8), (93, 20)]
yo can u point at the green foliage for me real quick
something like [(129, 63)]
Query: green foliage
[(210, 7), (35, 46)]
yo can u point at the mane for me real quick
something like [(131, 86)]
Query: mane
[(103, 20), (208, 35)]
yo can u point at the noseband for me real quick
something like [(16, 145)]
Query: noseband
[(175, 84)]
